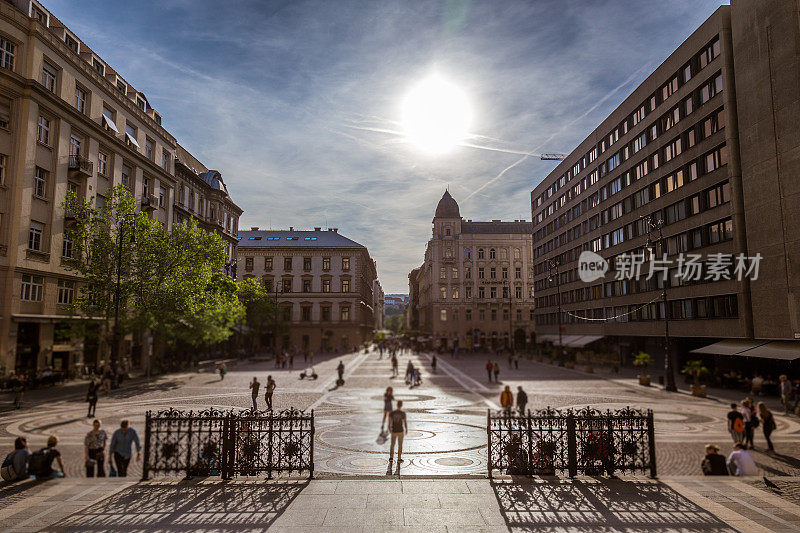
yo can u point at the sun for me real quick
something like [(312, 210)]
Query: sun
[(436, 115)]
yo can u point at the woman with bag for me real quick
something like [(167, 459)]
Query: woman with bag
[(95, 450), (767, 424)]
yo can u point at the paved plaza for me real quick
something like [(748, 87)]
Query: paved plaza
[(442, 482)]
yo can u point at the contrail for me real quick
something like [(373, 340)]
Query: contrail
[(565, 126)]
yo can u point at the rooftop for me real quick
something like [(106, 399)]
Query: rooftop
[(256, 238), (496, 227)]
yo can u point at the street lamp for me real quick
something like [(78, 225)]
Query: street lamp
[(553, 264), (656, 225), (121, 225)]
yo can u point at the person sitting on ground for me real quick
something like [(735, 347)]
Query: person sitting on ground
[(40, 463), (15, 465), (714, 463), (740, 462)]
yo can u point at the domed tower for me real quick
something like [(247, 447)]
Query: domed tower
[(447, 219)]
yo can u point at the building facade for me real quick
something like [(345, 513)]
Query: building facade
[(70, 122), (703, 148), (474, 289), (323, 281)]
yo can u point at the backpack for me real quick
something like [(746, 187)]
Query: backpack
[(738, 424), (39, 462)]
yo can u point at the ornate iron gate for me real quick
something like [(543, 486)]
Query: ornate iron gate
[(587, 442), (228, 443)]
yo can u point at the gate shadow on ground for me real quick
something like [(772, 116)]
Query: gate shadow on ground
[(600, 505), (210, 505)]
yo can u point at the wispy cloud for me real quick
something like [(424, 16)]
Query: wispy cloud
[(298, 103)]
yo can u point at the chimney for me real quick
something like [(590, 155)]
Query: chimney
[(336, 230), (317, 229), (291, 228), (254, 228)]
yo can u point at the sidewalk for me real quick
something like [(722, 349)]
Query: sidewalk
[(381, 504)]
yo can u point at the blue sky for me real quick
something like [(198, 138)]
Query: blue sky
[(282, 98)]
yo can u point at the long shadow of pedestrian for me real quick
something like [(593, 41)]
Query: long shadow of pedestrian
[(600, 505), (240, 505)]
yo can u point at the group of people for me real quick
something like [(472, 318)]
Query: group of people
[(493, 367), (269, 390), (507, 400), (23, 464), (742, 422), (413, 376), (398, 425), (739, 462)]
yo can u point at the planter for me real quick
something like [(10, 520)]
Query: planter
[(644, 380), (589, 369), (699, 390)]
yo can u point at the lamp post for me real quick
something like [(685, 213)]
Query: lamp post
[(121, 225), (553, 264), (652, 226)]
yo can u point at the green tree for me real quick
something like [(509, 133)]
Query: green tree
[(394, 323), (261, 310)]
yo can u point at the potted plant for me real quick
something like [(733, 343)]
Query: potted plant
[(643, 360), (696, 369)]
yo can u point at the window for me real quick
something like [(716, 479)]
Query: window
[(345, 285), (102, 164), (35, 236), (306, 263), (267, 263), (326, 263), (639, 115), (492, 292), (687, 73), (66, 290), (248, 264), (7, 51), (713, 123), (492, 254), (149, 150), (468, 273), (49, 76), (639, 143), (80, 100), (454, 273), (66, 248), (517, 273), (443, 315), (99, 66), (287, 263), (480, 253), (468, 291), (130, 135), (326, 285), (481, 292), (306, 285), (126, 176), (140, 103), (454, 293), (157, 118), (43, 131), (494, 315), (442, 273), (39, 183), (480, 273), (492, 273), (108, 119), (468, 314), (711, 89), (669, 88), (162, 197), (344, 314), (325, 311), (3, 160), (504, 273), (517, 253), (5, 113), (443, 292), (38, 14), (709, 53), (518, 294), (71, 43), (287, 285), (467, 254), (345, 263), (287, 313), (716, 159), (31, 288), (305, 313), (74, 145)]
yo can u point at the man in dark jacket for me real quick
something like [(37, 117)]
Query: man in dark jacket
[(522, 400), (714, 464)]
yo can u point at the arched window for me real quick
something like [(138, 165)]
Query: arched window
[(492, 253), (480, 253), (467, 253)]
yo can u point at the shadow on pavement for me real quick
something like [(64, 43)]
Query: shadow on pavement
[(594, 505), (220, 506)]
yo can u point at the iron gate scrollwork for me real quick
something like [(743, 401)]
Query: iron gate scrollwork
[(586, 442), (228, 443)]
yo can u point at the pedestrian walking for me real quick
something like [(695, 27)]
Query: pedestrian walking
[(40, 463), (516, 362), (496, 371), (409, 369), (736, 423), (107, 378), (388, 398), (522, 400), (94, 445), (340, 372), (269, 391), (433, 362), (91, 397), (767, 424), (15, 465), (714, 463), (222, 370), (399, 428), (120, 449), (507, 399), (291, 360), (750, 421), (18, 386), (489, 368), (740, 462), (395, 371), (786, 392), (254, 386)]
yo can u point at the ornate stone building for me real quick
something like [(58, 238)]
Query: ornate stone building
[(475, 288), (70, 121), (324, 283)]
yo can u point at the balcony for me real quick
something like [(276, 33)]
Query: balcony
[(80, 166), (149, 203)]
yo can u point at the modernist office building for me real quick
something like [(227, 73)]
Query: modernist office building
[(474, 288), (324, 282), (709, 144), (69, 121)]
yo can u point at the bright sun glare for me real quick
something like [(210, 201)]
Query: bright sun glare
[(436, 115)]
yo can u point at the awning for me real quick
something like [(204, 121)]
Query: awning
[(730, 347), (110, 123), (131, 139), (782, 350), (583, 340)]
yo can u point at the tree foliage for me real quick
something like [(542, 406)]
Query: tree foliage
[(261, 309)]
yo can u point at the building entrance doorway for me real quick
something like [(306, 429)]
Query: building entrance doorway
[(27, 347)]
